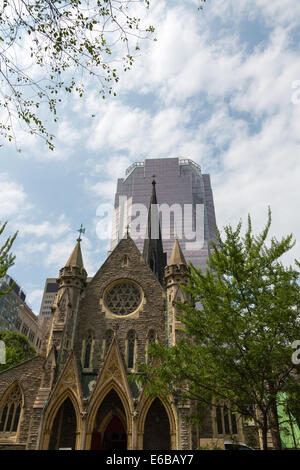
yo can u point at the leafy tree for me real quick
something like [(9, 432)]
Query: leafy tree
[(238, 327), (6, 259), (51, 45), (17, 349)]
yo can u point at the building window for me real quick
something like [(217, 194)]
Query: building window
[(18, 324), (219, 420), (226, 420), (151, 338), (10, 411), (87, 350), (107, 341), (31, 336), (87, 353), (123, 298), (24, 330), (234, 423), (125, 260), (131, 342)]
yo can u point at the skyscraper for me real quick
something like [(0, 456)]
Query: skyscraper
[(185, 200), (49, 294)]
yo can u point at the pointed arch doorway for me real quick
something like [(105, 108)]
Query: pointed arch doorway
[(157, 428), (64, 427), (110, 430)]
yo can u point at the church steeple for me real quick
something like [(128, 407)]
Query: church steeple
[(176, 275), (75, 257), (177, 257), (71, 281), (153, 248)]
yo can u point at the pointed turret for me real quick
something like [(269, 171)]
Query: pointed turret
[(71, 281), (153, 248), (177, 256), (176, 274), (73, 269), (76, 256)]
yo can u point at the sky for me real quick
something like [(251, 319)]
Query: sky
[(220, 86)]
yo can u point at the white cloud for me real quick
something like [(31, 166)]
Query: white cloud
[(13, 199), (217, 88), (34, 299), (45, 228)]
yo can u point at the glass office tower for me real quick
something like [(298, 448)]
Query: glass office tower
[(185, 200)]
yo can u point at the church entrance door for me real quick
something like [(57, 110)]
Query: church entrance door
[(110, 425), (114, 437)]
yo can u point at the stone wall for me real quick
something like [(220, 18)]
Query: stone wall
[(28, 375), (151, 316)]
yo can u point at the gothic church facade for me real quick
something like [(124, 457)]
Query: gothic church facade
[(76, 394)]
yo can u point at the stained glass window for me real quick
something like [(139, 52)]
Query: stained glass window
[(107, 340), (123, 298), (88, 347), (11, 410), (151, 338), (130, 349)]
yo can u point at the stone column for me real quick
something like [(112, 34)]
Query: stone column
[(184, 428)]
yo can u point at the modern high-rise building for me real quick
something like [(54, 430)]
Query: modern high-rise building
[(16, 315), (50, 291), (185, 201)]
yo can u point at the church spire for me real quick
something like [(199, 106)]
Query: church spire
[(75, 258), (71, 281), (153, 248), (177, 256)]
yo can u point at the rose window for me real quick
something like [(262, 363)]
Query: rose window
[(123, 298)]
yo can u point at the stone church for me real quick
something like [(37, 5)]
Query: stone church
[(76, 394)]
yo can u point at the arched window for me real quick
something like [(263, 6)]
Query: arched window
[(87, 352), (87, 349), (125, 260), (226, 420), (131, 340), (107, 341), (219, 420), (151, 338), (10, 411)]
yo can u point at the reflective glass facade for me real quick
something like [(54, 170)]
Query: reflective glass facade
[(182, 193)]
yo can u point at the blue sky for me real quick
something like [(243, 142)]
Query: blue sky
[(216, 87)]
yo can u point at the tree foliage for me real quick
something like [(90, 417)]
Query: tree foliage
[(17, 349), (49, 46), (6, 258), (238, 330)]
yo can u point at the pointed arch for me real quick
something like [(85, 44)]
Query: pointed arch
[(11, 408), (87, 350), (131, 349), (98, 401), (151, 338), (110, 426), (107, 340), (171, 414), (52, 412)]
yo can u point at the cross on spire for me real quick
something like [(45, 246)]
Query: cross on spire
[(81, 231)]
